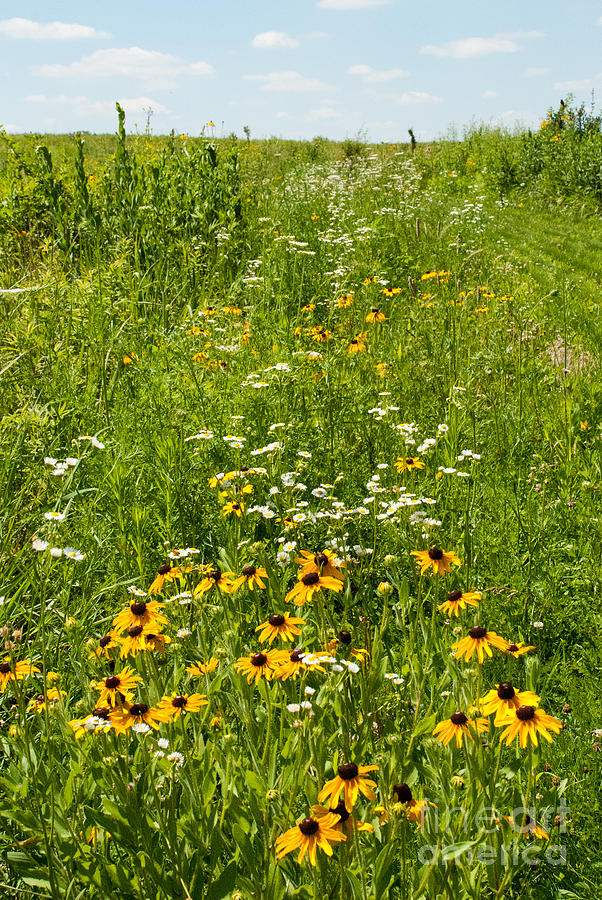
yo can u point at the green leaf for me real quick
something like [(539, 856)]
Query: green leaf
[(224, 884)]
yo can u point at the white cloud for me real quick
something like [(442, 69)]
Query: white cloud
[(289, 83), (411, 97), (48, 31), (490, 95), (579, 84), (373, 76), (535, 72), (10, 128), (517, 118), (324, 112), (468, 48), (160, 70), (84, 107), (599, 21), (274, 40), (351, 4)]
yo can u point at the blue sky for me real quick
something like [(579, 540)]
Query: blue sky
[(294, 69)]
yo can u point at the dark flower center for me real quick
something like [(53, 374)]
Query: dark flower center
[(135, 631), (308, 827), (138, 608), (277, 620), (340, 810), (410, 461), (458, 718), (321, 559), (375, 309), (505, 691), (138, 709), (435, 553), (525, 713), (236, 506), (454, 596), (165, 568), (5, 668), (179, 702), (310, 578), (101, 712), (344, 637), (215, 575), (259, 659), (112, 682), (477, 632), (403, 791), (296, 656), (244, 468), (512, 648), (347, 771), (248, 571), (105, 641)]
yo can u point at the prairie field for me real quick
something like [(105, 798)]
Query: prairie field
[(301, 450)]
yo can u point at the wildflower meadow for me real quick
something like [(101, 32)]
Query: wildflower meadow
[(300, 525)]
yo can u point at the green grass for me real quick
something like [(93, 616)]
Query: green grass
[(110, 336)]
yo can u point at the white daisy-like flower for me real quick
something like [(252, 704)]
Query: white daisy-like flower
[(72, 553), (293, 707), (305, 704), (304, 453), (309, 691), (50, 461), (56, 552), (175, 757), (183, 633), (442, 428), (319, 492), (163, 743), (141, 728), (38, 545), (54, 516)]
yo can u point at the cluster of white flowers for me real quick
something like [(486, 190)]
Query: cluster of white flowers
[(204, 435), (60, 468)]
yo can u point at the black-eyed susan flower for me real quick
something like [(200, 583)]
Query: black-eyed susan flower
[(504, 700), (176, 704), (233, 508), (438, 560), (202, 668), (350, 780), (414, 809), (325, 563), (215, 578), (457, 726), (156, 640), (258, 666), (527, 722), (252, 577), (408, 463), (357, 344), (117, 688), (15, 671), (289, 664), (375, 315), (280, 625), (135, 639), (98, 720), (44, 701), (125, 717), (140, 612), (344, 640), (528, 827), (517, 649), (105, 645), (310, 584), (168, 573), (479, 641), (345, 818), (307, 836), (459, 600)]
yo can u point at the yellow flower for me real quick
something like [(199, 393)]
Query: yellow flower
[(289, 664), (526, 722), (439, 560), (477, 641), (165, 573), (14, 672), (345, 818), (307, 836), (202, 668), (504, 700), (253, 578), (280, 625), (350, 780), (176, 704), (98, 720), (136, 639), (517, 649), (123, 717), (458, 600), (310, 584), (233, 508), (325, 563), (357, 344), (457, 726), (117, 686), (414, 809), (408, 462), (105, 644), (259, 665), (375, 315), (528, 827), (215, 578), (41, 702), (139, 612)]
